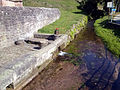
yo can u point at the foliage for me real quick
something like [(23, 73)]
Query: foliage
[(69, 13), (109, 34), (91, 7)]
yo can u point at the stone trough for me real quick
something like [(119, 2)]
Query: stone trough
[(21, 62)]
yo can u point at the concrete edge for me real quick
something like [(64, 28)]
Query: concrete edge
[(13, 72)]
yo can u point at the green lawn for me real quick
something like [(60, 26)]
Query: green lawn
[(109, 33), (68, 15)]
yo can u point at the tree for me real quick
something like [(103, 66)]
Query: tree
[(90, 7)]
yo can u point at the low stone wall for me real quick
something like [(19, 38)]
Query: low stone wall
[(21, 22)]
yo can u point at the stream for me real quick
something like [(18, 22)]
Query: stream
[(87, 66)]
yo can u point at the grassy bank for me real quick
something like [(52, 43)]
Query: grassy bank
[(109, 33), (69, 13)]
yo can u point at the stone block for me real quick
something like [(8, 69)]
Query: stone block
[(7, 3), (6, 78)]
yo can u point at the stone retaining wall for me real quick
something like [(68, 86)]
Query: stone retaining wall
[(21, 22)]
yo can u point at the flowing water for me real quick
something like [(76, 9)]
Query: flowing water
[(88, 66)]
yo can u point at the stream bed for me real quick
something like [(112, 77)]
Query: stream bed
[(87, 66)]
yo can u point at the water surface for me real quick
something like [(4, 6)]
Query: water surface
[(88, 66)]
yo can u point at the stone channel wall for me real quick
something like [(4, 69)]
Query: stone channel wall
[(21, 22), (16, 74)]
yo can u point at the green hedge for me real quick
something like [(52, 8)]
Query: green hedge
[(103, 30)]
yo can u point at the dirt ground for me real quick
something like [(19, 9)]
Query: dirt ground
[(60, 75)]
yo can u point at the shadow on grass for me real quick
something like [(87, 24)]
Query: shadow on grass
[(83, 13), (80, 13), (114, 27)]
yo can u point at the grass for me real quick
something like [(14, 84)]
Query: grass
[(109, 33), (69, 13)]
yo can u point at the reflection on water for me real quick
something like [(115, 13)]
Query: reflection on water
[(102, 68), (101, 72)]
